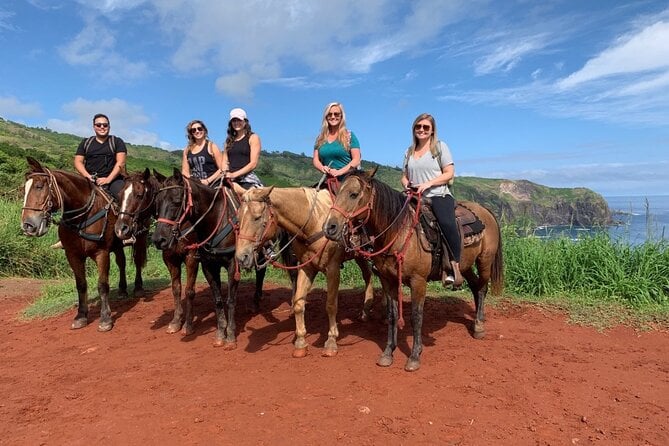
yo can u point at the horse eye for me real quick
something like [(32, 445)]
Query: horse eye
[(354, 195)]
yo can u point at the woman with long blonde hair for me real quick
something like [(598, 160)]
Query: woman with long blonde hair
[(336, 150)]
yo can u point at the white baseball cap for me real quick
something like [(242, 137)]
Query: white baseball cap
[(238, 113)]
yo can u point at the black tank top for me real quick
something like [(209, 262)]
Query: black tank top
[(202, 164), (239, 153)]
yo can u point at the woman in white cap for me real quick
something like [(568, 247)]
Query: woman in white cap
[(241, 152)]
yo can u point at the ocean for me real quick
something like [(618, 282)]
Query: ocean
[(639, 218)]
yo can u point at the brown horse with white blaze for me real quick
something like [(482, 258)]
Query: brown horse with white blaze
[(86, 230), (300, 212), (137, 207), (400, 253)]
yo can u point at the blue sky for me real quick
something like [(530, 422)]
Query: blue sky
[(562, 93)]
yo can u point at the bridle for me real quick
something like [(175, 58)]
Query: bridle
[(142, 212), (48, 207)]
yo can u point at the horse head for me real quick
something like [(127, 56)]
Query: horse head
[(173, 204), (257, 224), (352, 204), (136, 203), (40, 200)]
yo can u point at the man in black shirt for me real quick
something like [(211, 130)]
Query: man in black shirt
[(101, 158)]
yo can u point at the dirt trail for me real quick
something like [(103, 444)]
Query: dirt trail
[(534, 380)]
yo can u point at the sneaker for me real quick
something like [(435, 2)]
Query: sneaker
[(57, 245), (447, 279), (129, 241)]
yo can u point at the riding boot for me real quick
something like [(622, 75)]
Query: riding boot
[(457, 276)]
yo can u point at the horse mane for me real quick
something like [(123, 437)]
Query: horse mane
[(389, 209)]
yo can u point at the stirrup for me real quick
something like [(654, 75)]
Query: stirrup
[(57, 245), (129, 241)]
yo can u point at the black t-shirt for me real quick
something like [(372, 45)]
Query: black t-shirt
[(239, 153), (99, 158)]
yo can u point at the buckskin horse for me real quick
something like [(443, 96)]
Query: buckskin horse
[(137, 206), (86, 230), (301, 213), (401, 255), (186, 206)]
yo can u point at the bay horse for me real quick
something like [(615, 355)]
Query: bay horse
[(186, 206), (137, 207), (300, 212), (86, 230), (400, 254)]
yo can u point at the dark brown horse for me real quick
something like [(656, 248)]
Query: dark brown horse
[(400, 253), (300, 212), (137, 206), (186, 206), (86, 230)]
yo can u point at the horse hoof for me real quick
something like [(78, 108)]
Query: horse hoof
[(300, 352), (329, 353), (412, 366), (105, 326), (79, 323), (479, 331), (186, 330), (226, 345), (173, 328), (385, 361)]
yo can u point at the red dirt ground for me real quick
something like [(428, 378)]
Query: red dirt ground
[(534, 380)]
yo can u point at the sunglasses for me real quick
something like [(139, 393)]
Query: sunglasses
[(196, 129), (333, 115), (424, 127), (101, 125)]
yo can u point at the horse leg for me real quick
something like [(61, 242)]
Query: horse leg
[(305, 277), (192, 265), (139, 259), (390, 293), (119, 256), (212, 272), (418, 286), (479, 287), (173, 265), (369, 289), (102, 259), (257, 295), (230, 342), (78, 265), (333, 273)]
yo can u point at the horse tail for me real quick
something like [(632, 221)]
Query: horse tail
[(497, 267)]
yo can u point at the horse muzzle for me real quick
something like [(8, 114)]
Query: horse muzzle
[(245, 258), (35, 227), (332, 230)]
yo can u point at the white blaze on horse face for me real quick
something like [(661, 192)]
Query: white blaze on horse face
[(29, 185), (125, 197)]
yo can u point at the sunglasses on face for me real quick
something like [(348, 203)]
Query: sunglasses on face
[(196, 129), (424, 127), (333, 115), (101, 125)]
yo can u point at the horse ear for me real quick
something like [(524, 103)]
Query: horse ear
[(35, 166), (146, 174), (176, 173), (372, 171), (238, 189), (159, 176), (266, 191)]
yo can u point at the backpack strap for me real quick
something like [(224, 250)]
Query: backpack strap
[(112, 144)]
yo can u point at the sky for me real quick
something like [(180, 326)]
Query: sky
[(561, 93)]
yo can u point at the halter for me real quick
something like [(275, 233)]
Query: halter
[(47, 208), (186, 205)]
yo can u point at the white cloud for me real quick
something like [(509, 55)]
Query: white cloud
[(637, 52), (508, 54), (94, 47), (5, 21), (127, 120), (11, 107)]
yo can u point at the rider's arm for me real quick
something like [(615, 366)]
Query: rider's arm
[(81, 167)]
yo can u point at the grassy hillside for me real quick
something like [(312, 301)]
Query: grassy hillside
[(511, 201)]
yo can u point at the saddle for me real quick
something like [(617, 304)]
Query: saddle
[(469, 225)]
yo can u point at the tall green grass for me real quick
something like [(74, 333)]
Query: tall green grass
[(593, 272)]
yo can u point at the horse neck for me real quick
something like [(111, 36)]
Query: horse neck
[(203, 197), (388, 215), (75, 190), (295, 210)]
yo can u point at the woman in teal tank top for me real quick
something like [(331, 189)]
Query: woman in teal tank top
[(336, 150)]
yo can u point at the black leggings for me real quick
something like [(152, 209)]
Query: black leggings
[(115, 186), (444, 209)]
